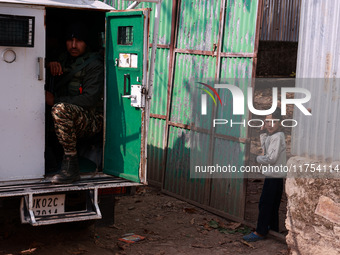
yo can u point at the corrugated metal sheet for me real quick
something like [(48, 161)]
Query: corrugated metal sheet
[(198, 24), (318, 54), (164, 32), (155, 150), (118, 4), (160, 86), (280, 20), (227, 194), (318, 58), (241, 70), (74, 4), (177, 175), (236, 68), (188, 69), (240, 24)]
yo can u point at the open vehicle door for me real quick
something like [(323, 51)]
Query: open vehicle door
[(22, 100), (126, 88)]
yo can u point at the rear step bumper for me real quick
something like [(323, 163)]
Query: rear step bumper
[(29, 189), (101, 181)]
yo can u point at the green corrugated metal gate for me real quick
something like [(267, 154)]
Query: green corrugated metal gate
[(199, 39)]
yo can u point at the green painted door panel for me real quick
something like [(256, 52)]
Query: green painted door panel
[(125, 55)]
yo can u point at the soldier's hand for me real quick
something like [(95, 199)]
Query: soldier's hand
[(55, 68), (49, 97)]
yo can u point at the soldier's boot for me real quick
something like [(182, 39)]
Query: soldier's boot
[(69, 171)]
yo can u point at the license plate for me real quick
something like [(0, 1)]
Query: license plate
[(48, 205)]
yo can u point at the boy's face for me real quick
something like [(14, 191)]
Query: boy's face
[(272, 125)]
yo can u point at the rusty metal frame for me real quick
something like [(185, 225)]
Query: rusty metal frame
[(145, 111), (196, 52), (161, 46), (174, 27), (212, 132), (208, 131), (238, 55), (158, 116)]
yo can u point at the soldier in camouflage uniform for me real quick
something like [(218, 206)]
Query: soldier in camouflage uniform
[(78, 102)]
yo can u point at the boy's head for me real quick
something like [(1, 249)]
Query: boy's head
[(273, 121)]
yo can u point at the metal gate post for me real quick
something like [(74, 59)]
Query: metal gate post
[(152, 70)]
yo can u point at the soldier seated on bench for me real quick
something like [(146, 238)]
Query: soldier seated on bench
[(77, 101)]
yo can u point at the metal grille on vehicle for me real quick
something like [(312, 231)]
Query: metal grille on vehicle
[(16, 31)]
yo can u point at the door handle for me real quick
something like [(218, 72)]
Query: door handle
[(126, 76), (41, 68), (130, 96)]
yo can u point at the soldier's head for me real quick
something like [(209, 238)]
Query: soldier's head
[(76, 40)]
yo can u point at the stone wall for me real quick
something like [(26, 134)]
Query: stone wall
[(313, 213)]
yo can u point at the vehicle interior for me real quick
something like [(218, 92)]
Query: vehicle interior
[(90, 149)]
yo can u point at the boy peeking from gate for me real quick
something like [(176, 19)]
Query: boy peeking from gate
[(273, 144)]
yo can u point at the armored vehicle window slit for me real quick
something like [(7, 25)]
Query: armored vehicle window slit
[(16, 31)]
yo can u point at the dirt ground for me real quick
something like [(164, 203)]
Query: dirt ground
[(170, 226)]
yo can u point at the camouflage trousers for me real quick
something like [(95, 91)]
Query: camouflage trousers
[(72, 122)]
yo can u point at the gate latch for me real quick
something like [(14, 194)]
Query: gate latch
[(137, 100)]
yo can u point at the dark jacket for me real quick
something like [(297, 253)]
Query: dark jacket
[(86, 87)]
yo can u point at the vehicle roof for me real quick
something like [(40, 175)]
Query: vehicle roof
[(72, 4)]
